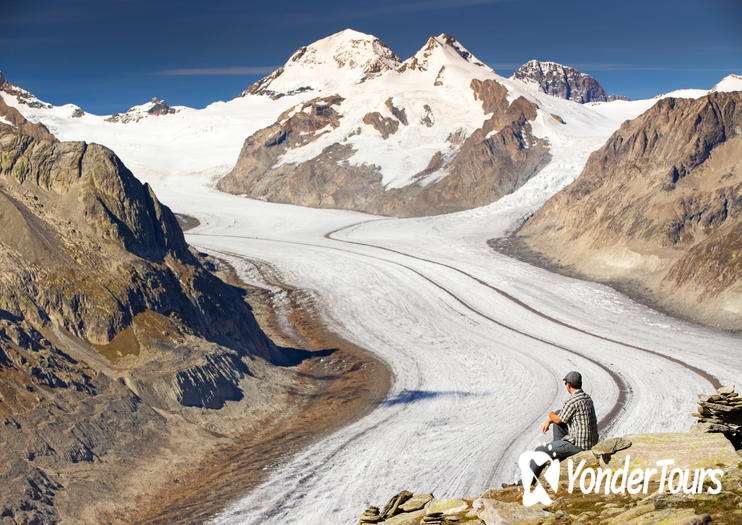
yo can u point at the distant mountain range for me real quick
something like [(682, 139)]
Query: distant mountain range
[(346, 123)]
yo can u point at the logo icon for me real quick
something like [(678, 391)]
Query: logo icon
[(537, 493)]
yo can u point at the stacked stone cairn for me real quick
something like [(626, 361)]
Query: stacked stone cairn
[(403, 502), (721, 412)]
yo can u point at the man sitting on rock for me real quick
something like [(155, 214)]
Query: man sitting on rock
[(575, 425)]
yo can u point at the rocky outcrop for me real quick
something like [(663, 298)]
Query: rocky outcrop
[(156, 107), (564, 82), (385, 126), (106, 317), (661, 204), (720, 412), (160, 107), (491, 162), (655, 502)]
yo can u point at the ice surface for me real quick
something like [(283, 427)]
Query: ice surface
[(474, 370)]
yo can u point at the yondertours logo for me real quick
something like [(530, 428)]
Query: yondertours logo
[(623, 480)]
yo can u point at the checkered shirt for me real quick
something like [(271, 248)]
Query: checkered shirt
[(579, 415)]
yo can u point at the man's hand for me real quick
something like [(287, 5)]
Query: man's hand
[(553, 418)]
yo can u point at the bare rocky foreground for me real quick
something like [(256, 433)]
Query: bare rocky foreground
[(504, 506), (662, 497)]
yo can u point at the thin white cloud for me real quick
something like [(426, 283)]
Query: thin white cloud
[(206, 71)]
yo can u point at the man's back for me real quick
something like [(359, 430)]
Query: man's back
[(579, 414)]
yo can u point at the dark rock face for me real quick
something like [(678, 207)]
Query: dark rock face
[(564, 82), (98, 280), (158, 107), (385, 126), (666, 189), (493, 161)]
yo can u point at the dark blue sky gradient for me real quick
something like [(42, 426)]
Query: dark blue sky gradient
[(109, 55)]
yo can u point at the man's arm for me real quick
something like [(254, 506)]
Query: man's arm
[(553, 418)]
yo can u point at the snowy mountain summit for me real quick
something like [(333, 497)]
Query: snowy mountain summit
[(728, 84), (563, 81), (343, 58), (437, 52)]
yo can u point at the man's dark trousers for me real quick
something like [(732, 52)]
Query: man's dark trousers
[(557, 449)]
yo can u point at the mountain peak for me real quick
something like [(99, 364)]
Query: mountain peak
[(345, 57), (563, 81), (439, 51), (729, 83)]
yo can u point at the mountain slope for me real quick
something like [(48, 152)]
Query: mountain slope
[(660, 203), (111, 330)]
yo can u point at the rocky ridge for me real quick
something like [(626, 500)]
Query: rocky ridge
[(564, 82), (111, 331), (660, 204)]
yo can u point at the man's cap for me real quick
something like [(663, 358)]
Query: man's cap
[(574, 379)]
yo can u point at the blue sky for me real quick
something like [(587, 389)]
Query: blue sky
[(107, 55)]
